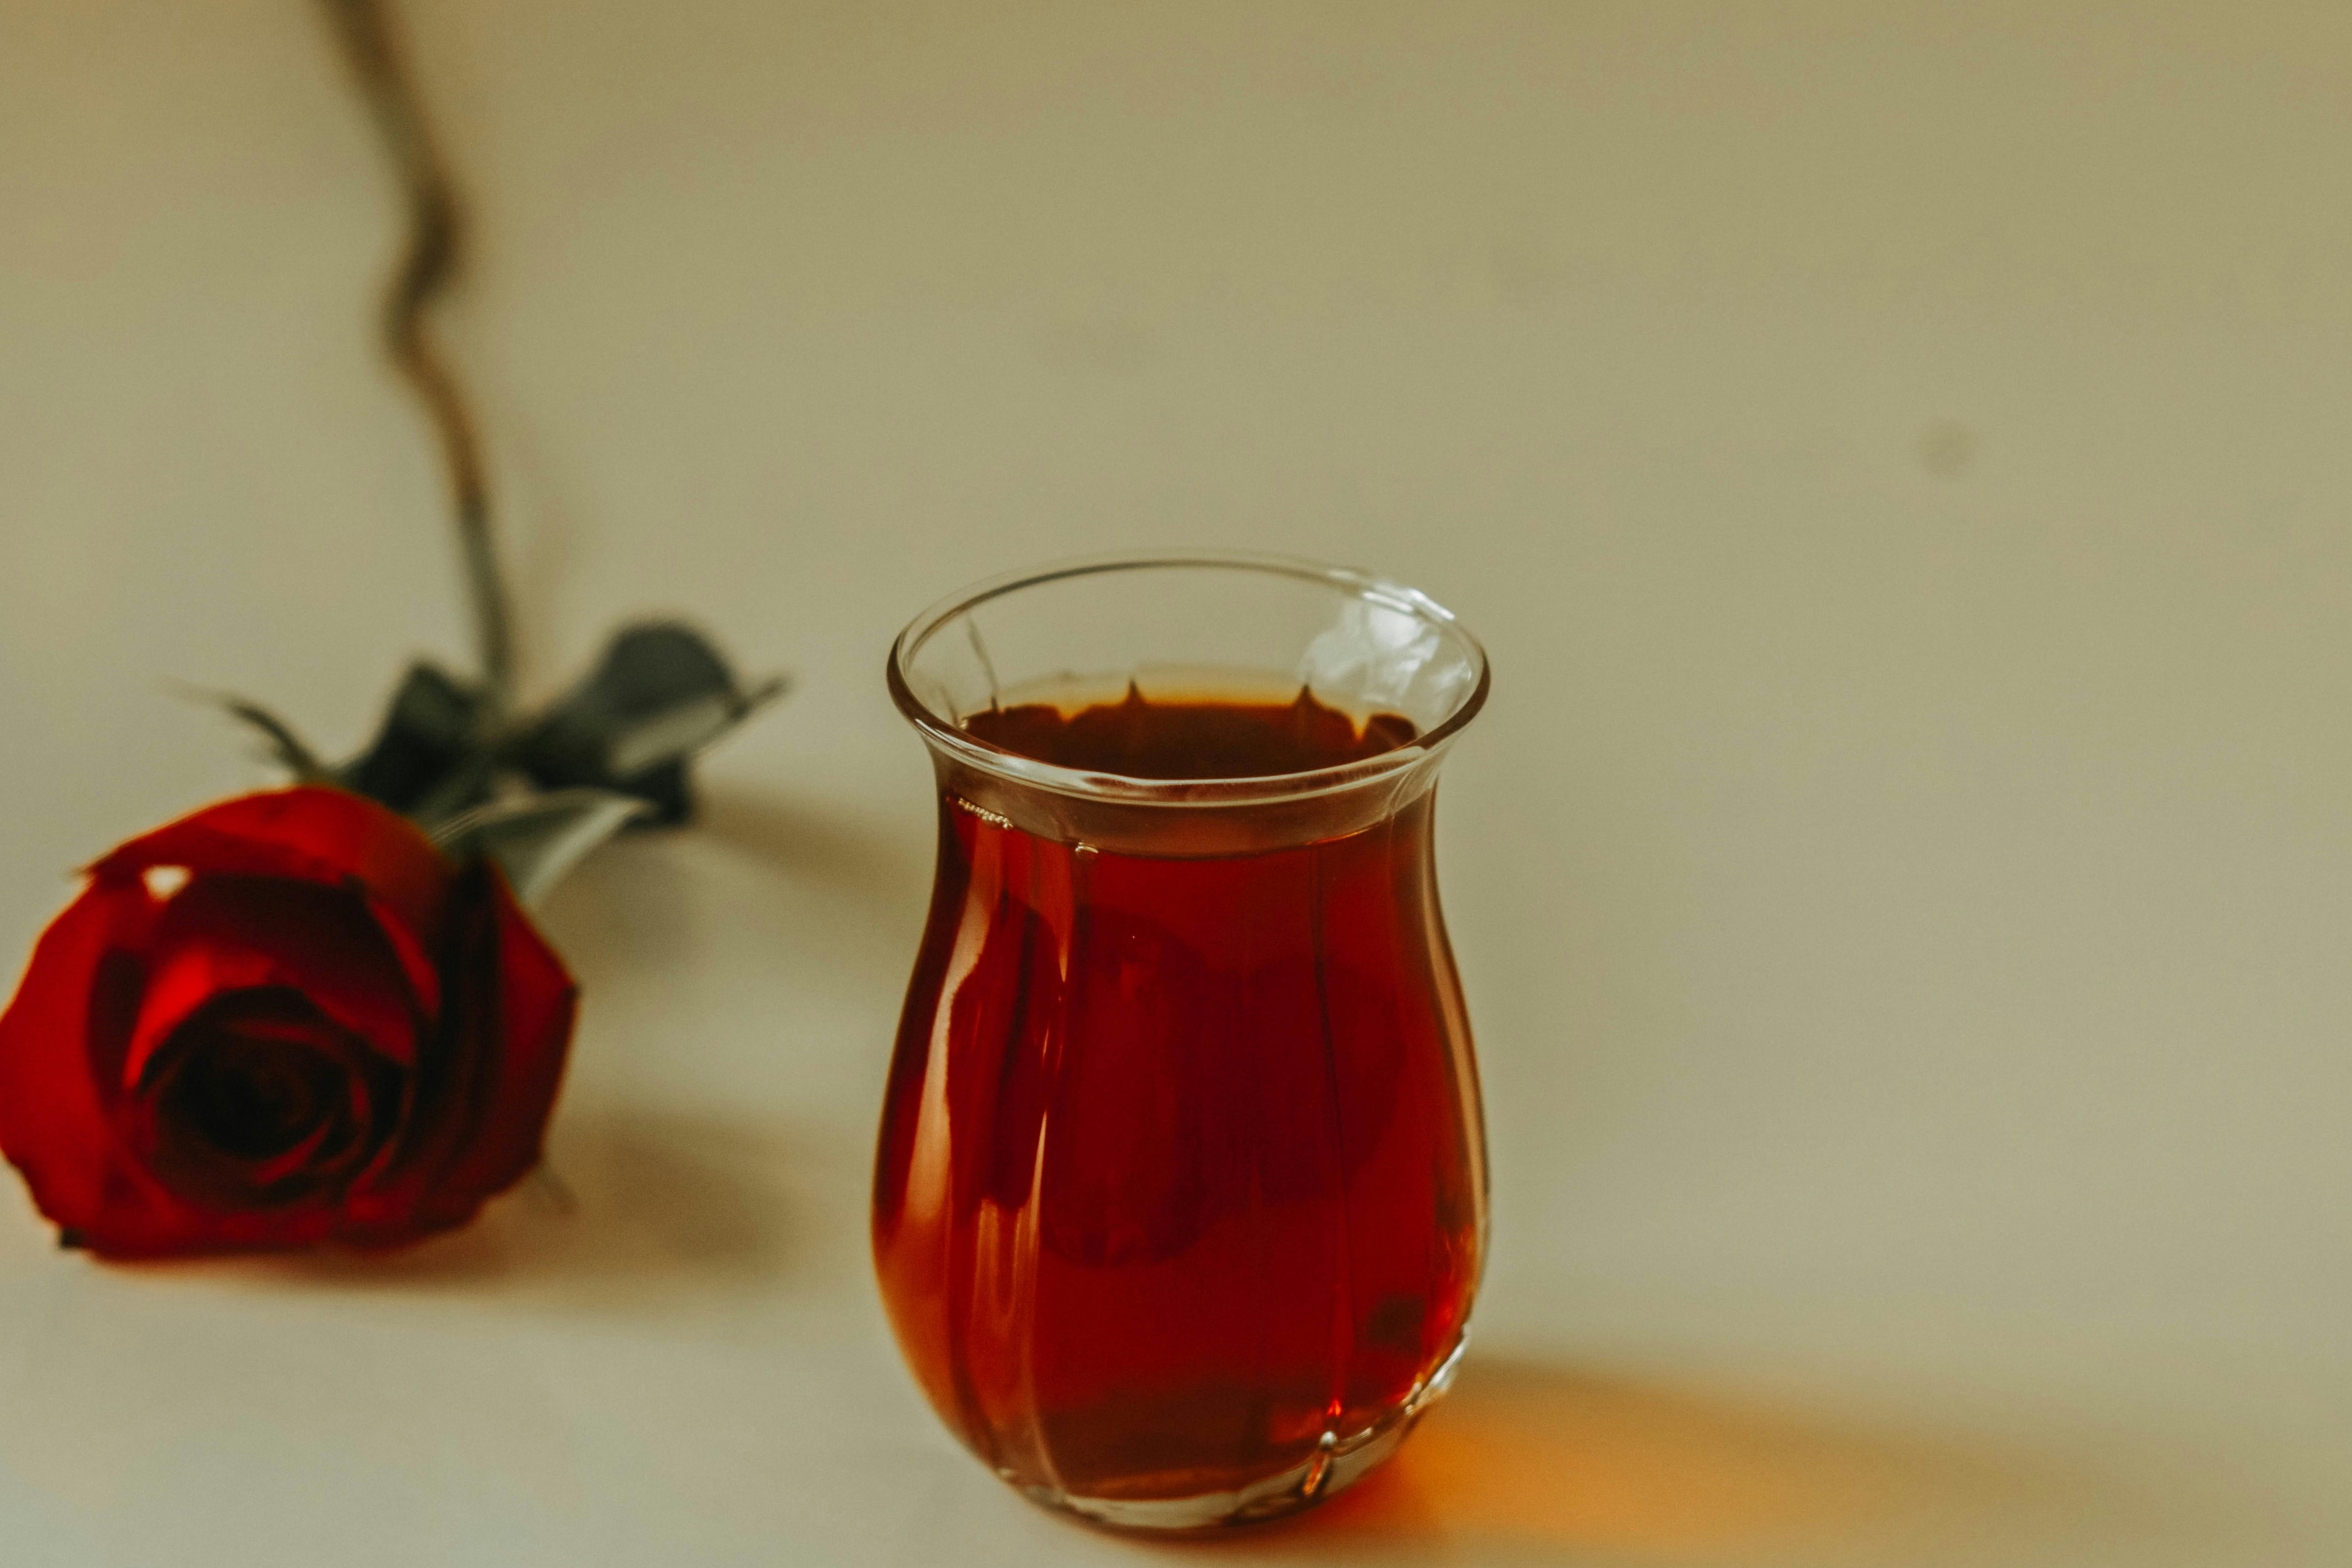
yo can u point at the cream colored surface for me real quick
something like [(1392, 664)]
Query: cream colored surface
[(1895, 454)]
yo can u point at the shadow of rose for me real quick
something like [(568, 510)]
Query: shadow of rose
[(642, 1208), (850, 858), (635, 1209), (796, 901), (1542, 1464)]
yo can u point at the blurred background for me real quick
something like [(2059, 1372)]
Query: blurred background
[(1896, 454)]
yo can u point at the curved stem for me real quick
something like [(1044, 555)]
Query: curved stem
[(434, 231)]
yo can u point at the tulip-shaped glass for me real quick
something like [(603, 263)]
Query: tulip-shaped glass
[(1180, 1198)]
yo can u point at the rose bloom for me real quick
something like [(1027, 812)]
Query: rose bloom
[(283, 1020)]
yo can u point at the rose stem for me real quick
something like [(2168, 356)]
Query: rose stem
[(435, 230)]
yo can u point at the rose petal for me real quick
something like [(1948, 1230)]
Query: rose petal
[(313, 833), (485, 1080), (55, 1127), (61, 1041), (538, 1003), (242, 934), (200, 1158), (118, 974)]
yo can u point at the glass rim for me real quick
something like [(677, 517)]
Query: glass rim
[(943, 732)]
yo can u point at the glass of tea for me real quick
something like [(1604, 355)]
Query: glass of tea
[(1181, 1200)]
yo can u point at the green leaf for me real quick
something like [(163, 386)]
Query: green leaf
[(286, 748), (662, 693), (429, 757), (536, 839)]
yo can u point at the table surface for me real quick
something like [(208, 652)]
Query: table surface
[(1895, 456)]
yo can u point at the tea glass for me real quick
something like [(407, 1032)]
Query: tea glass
[(1181, 1199)]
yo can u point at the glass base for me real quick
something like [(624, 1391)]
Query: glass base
[(1338, 1465)]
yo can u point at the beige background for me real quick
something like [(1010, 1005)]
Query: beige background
[(1897, 455)]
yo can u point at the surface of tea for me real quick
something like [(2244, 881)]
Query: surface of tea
[(1144, 738), (1180, 1188)]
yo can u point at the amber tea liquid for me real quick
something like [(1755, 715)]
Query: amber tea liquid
[(1180, 1188)]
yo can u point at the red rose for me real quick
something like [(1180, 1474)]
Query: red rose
[(283, 1020)]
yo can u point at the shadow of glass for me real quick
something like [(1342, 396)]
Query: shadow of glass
[(1530, 1463)]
